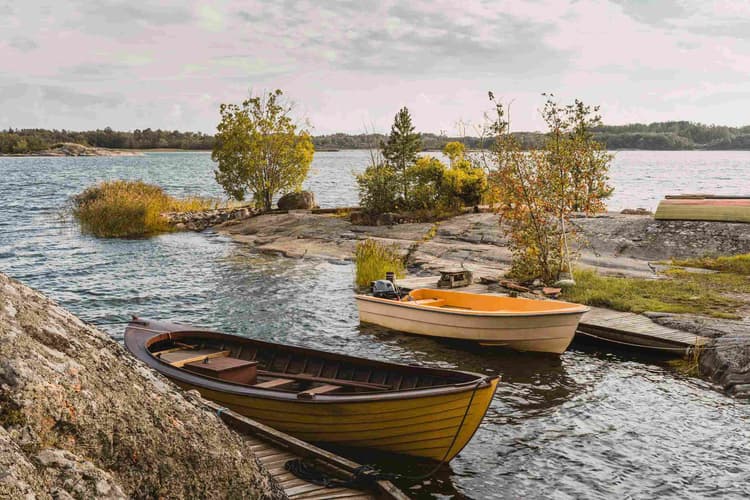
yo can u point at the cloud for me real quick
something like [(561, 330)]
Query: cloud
[(350, 63), (56, 95), (78, 100), (124, 18), (410, 39), (210, 18), (23, 44)]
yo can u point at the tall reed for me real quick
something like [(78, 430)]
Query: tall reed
[(121, 209), (374, 259)]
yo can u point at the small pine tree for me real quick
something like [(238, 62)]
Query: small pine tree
[(403, 145)]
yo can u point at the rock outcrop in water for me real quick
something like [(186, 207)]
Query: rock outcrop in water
[(726, 358), (73, 149), (198, 221), (81, 418)]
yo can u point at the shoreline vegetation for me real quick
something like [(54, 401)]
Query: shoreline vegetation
[(126, 209), (660, 136)]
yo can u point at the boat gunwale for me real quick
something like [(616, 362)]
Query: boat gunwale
[(577, 309), (138, 344)]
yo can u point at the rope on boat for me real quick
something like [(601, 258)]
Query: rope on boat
[(366, 475)]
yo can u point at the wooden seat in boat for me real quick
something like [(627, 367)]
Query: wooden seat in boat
[(322, 389), (274, 383), (182, 357)]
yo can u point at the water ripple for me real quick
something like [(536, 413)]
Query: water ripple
[(584, 425)]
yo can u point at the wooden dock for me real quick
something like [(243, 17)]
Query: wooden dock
[(274, 449), (621, 329), (629, 330)]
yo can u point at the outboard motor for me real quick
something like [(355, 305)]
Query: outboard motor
[(385, 289)]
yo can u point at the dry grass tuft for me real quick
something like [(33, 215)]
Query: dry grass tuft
[(122, 209), (374, 259)]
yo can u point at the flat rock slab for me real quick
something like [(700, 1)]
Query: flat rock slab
[(614, 244)]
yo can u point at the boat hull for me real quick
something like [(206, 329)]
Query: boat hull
[(704, 208), (422, 427), (547, 333)]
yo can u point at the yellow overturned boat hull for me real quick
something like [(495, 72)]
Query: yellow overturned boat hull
[(700, 207), (514, 323)]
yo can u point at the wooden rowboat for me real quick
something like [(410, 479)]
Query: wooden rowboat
[(321, 397), (492, 320)]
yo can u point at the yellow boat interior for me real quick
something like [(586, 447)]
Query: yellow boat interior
[(289, 369), (485, 303)]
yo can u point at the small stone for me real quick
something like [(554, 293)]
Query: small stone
[(386, 219), (103, 487)]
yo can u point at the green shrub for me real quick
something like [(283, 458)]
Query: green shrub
[(379, 188), (119, 209), (424, 180), (433, 185), (464, 184), (374, 259), (426, 184)]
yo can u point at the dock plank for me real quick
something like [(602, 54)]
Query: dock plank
[(276, 448), (638, 330)]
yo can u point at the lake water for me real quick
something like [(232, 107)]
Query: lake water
[(588, 424)]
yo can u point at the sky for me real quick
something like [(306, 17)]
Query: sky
[(350, 65)]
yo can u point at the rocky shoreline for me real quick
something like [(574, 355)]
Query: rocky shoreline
[(199, 221), (73, 149), (615, 244), (81, 418)]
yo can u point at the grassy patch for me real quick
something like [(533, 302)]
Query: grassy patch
[(738, 264), (690, 364), (119, 209), (683, 292), (432, 232), (375, 259)]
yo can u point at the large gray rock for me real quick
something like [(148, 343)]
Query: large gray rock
[(81, 418), (301, 200), (726, 358)]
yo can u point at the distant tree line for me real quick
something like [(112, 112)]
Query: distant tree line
[(678, 135), (20, 141), (675, 135)]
